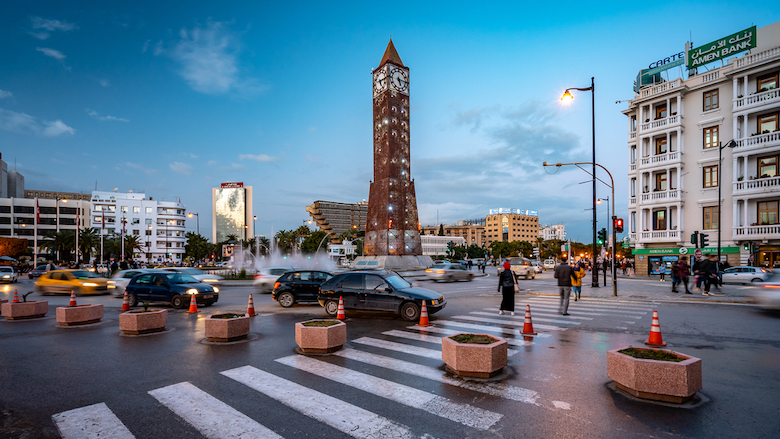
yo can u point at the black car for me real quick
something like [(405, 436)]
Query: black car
[(175, 288), (378, 291), (298, 286)]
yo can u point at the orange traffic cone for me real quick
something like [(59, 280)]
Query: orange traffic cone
[(72, 298), (250, 308), (16, 296), (424, 316), (125, 303), (528, 325), (341, 315), (193, 305), (655, 338)]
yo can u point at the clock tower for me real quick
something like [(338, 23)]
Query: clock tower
[(392, 226)]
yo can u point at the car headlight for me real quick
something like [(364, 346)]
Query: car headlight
[(192, 291), (440, 271), (89, 284), (216, 290), (210, 280), (6, 276), (112, 282)]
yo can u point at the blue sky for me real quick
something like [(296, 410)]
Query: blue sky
[(174, 100)]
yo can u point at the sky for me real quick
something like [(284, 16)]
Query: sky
[(173, 99)]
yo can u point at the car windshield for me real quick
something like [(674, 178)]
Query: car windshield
[(190, 271), (40, 267), (397, 282), (181, 278), (81, 274), (6, 269)]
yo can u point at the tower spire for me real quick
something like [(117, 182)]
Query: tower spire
[(391, 55)]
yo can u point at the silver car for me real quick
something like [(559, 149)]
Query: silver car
[(120, 279), (8, 274), (745, 275), (266, 278), (521, 267), (449, 272), (767, 296), (206, 278)]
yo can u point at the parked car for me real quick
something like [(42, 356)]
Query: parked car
[(521, 267), (549, 264), (378, 291), (449, 272), (745, 275), (101, 269), (299, 286), (174, 288), (212, 279), (8, 274), (538, 267), (65, 281), (767, 296), (265, 278), (118, 282), (38, 271)]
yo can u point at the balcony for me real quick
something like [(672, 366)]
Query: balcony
[(661, 196), (757, 186), (756, 100), (755, 58), (632, 167), (661, 123), (761, 141), (632, 201), (632, 136), (659, 159), (660, 89), (660, 235), (757, 232)]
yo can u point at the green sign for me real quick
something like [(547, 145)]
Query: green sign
[(722, 48), (663, 67), (683, 251)]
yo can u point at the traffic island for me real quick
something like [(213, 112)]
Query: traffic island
[(227, 327), (79, 315), (320, 336), (474, 355), (25, 310), (655, 374), (143, 321)]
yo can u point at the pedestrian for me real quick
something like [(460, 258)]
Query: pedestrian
[(471, 264), (576, 281), (682, 274), (624, 266), (710, 275), (114, 267), (675, 280), (698, 270), (507, 286), (123, 265), (484, 264), (563, 273), (662, 271)]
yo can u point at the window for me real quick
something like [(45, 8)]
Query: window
[(660, 181), (136, 209), (148, 210), (659, 220), (710, 176), (633, 222), (633, 123), (375, 283), (767, 82), (710, 100), (767, 213), (660, 145), (711, 217), (98, 207), (767, 167), (148, 221), (710, 137), (660, 111), (353, 281), (136, 221), (633, 154), (767, 123), (124, 209)]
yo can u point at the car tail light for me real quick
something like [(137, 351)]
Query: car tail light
[(764, 270), (771, 286), (276, 285), (429, 271), (258, 276)]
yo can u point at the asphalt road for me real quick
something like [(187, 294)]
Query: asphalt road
[(554, 386)]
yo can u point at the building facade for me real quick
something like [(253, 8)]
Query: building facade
[(433, 245), (231, 212), (472, 234), (53, 195), (555, 231), (158, 225), (511, 225), (675, 132), (335, 218)]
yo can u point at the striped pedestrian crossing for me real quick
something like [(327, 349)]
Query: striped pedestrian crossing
[(484, 328), (559, 321), (428, 338), (92, 421)]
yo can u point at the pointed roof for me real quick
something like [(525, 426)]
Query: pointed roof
[(391, 55)]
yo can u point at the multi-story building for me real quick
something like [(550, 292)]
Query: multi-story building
[(511, 225), (231, 212), (11, 182), (335, 218), (676, 130), (472, 234), (555, 231), (433, 245), (158, 225), (53, 195)]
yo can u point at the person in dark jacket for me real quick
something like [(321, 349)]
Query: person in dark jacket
[(506, 286), (564, 273), (710, 276), (682, 274)]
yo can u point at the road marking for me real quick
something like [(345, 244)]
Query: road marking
[(343, 416), (91, 422), (521, 316), (485, 328), (548, 308), (509, 322), (501, 390), (437, 405), (585, 307), (596, 302), (210, 416), (562, 405), (399, 347), (428, 338), (436, 330), (586, 310)]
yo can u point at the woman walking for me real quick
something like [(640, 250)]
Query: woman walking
[(507, 285), (576, 280)]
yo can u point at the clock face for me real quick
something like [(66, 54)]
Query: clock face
[(380, 81), (400, 80)]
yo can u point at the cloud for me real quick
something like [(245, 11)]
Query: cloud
[(104, 82), (138, 167), (191, 155), (5, 94), (56, 54), (261, 158), (94, 114), (181, 168), (474, 116), (146, 46), (26, 124), (43, 26), (211, 163), (311, 159)]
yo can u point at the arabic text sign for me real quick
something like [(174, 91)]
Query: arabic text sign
[(722, 48)]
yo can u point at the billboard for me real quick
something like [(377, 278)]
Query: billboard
[(227, 185), (722, 48)]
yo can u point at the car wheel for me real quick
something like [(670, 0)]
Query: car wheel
[(756, 281), (287, 300), (208, 303), (177, 301), (331, 308), (410, 312), (471, 277), (449, 279), (30, 276), (132, 300)]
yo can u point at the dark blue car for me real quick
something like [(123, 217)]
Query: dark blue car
[(174, 288)]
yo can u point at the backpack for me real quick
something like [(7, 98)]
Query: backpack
[(507, 278)]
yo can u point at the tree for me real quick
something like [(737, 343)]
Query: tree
[(197, 246), (312, 242), (441, 229), (132, 242), (285, 239), (12, 247), (88, 242), (265, 245)]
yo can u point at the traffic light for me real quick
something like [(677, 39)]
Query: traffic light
[(704, 240), (748, 246), (618, 225), (695, 239), (602, 236)]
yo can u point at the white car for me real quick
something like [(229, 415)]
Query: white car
[(521, 267), (549, 264), (266, 278), (118, 282), (538, 267), (211, 279), (767, 295), (8, 274), (745, 275), (449, 272)]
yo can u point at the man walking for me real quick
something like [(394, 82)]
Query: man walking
[(710, 275), (682, 274), (564, 273)]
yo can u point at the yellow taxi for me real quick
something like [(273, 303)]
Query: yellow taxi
[(65, 281)]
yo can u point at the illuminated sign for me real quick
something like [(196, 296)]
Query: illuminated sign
[(722, 48), (675, 60), (233, 184), (504, 210)]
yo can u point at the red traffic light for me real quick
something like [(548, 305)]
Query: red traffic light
[(618, 225)]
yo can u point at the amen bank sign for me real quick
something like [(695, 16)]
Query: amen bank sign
[(722, 48)]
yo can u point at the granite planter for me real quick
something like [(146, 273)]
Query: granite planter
[(653, 379), (227, 329), (474, 360), (25, 310), (2, 301), (320, 339), (143, 322), (79, 315)]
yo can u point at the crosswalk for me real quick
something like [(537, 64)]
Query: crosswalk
[(381, 367)]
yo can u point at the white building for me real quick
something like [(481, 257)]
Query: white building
[(159, 225), (675, 129), (555, 231), (433, 245)]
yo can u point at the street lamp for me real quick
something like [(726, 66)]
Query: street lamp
[(197, 221), (568, 97), (731, 144), (57, 218), (254, 226), (149, 245), (612, 247)]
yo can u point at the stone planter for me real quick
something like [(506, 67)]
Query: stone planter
[(79, 315), (224, 330), (653, 379), (139, 322), (474, 360), (25, 310), (2, 301), (320, 339)]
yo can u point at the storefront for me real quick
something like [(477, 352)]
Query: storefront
[(651, 261), (768, 257)]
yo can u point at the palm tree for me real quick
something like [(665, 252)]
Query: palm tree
[(266, 244), (65, 242), (286, 239), (132, 243), (88, 241)]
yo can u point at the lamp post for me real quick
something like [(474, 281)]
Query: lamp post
[(567, 97), (57, 219), (731, 144), (254, 226), (149, 245), (612, 247), (197, 221)]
